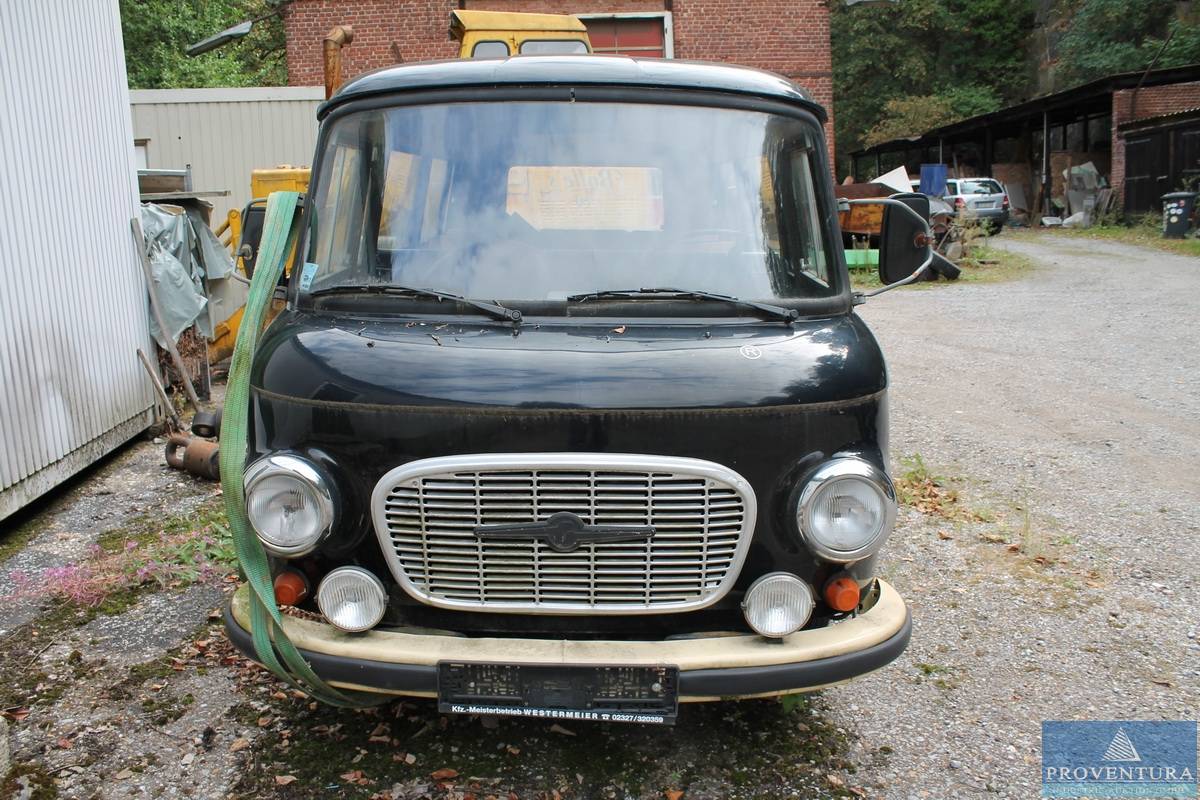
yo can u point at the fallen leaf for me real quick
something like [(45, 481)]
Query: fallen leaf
[(264, 722), (278, 696), (619, 329), (513, 750), (16, 713), (673, 794), (944, 536), (239, 743), (444, 774), (556, 728), (284, 780), (1014, 548), (352, 776)]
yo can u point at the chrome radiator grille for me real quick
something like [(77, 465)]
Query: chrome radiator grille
[(426, 514)]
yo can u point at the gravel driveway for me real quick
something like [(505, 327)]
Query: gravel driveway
[(1067, 405), (1052, 575)]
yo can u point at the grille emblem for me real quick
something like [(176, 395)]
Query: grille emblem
[(564, 532)]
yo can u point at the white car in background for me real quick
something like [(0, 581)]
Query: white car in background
[(981, 199)]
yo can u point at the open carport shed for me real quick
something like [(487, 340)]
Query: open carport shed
[(1135, 127)]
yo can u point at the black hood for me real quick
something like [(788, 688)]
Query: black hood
[(571, 364)]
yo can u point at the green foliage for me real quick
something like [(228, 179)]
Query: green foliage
[(157, 32), (1110, 36), (910, 116), (903, 67)]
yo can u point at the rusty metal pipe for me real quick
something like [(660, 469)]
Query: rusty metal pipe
[(196, 456), (338, 36)]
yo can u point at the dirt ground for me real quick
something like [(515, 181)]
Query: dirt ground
[(1044, 433)]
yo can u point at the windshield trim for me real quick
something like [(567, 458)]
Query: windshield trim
[(839, 301)]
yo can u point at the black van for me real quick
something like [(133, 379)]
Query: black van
[(569, 413)]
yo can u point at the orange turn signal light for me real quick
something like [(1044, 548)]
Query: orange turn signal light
[(291, 587), (841, 593)]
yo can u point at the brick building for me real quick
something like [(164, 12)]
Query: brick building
[(1141, 130), (790, 37)]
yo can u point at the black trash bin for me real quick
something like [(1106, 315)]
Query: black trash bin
[(1177, 213)]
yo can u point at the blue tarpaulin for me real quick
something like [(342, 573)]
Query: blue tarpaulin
[(933, 179)]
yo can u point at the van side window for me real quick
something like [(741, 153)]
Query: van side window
[(337, 247), (810, 254), (489, 49)]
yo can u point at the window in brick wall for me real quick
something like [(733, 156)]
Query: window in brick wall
[(638, 36)]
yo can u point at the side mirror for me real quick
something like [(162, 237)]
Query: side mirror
[(253, 217), (905, 243)]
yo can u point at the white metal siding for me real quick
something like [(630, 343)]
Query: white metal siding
[(225, 133), (72, 296)]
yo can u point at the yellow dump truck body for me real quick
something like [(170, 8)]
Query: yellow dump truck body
[(481, 32)]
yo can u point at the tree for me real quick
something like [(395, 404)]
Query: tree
[(157, 32), (912, 116), (905, 67), (1111, 36)]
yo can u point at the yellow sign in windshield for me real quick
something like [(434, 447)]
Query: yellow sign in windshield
[(587, 198)]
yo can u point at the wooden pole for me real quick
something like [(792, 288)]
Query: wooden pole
[(162, 393)]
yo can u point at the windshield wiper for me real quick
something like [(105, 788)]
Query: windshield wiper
[(667, 293), (493, 310)]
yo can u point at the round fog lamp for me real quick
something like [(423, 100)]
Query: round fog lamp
[(352, 599), (777, 604)]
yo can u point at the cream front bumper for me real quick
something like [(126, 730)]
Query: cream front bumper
[(396, 662)]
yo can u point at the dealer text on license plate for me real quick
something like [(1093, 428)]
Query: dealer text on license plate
[(602, 693)]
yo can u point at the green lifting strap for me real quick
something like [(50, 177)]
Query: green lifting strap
[(271, 644)]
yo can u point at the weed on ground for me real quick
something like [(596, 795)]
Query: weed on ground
[(1144, 231), (145, 555), (982, 263)]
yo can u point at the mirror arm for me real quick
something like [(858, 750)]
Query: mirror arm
[(918, 272)]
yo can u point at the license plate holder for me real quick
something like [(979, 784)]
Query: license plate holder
[(604, 693)]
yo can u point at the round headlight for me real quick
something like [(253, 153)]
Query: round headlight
[(846, 510), (288, 504), (777, 604), (352, 599)]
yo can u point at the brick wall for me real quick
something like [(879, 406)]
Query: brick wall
[(790, 37), (1149, 101)]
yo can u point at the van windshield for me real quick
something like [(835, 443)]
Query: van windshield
[(542, 201)]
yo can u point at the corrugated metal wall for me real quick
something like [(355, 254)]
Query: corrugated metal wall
[(72, 296), (225, 133)]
